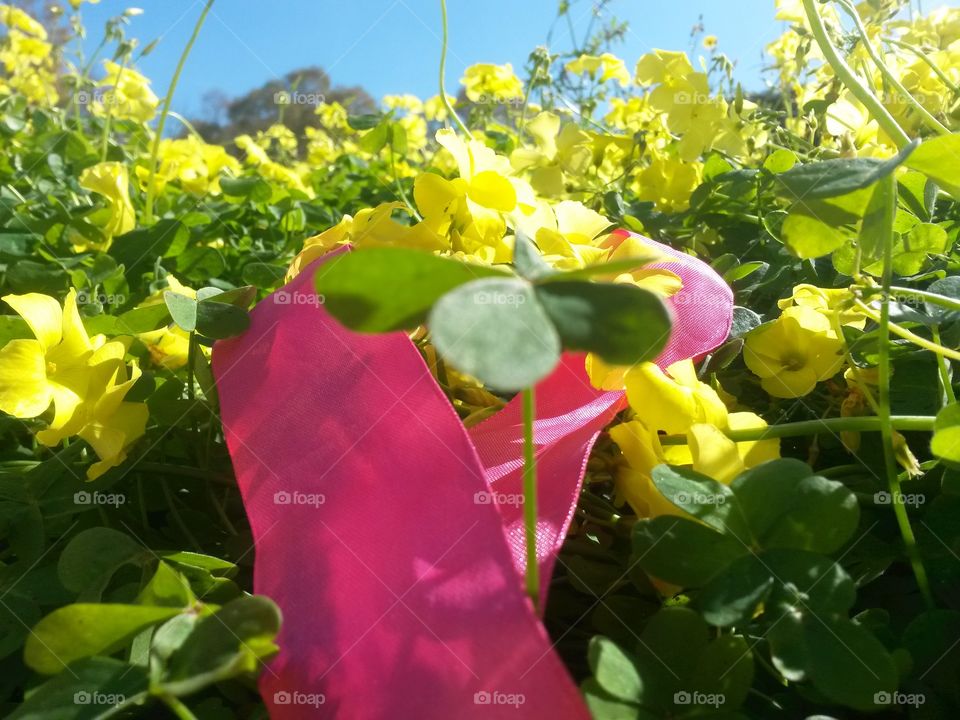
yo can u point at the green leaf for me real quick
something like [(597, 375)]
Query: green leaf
[(848, 664), (876, 218), (497, 331), (167, 588), (263, 275), (614, 670), (786, 506), (704, 498), (937, 159), (620, 322), (810, 237), (724, 671), (683, 552), (364, 121), (231, 641), (183, 310), (218, 320), (383, 289), (78, 631), (138, 320), (253, 187), (946, 434), (604, 706), (92, 557), (733, 596), (94, 689), (831, 178), (527, 260)]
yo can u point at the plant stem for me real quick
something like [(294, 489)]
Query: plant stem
[(108, 118), (530, 499), (443, 68), (925, 115), (849, 78), (176, 706), (886, 427), (933, 347), (944, 78), (917, 423), (165, 110), (932, 298), (944, 367)]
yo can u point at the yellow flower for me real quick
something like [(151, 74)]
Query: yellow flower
[(557, 152), (53, 367), (668, 182), (129, 96), (15, 18), (792, 354), (485, 82), (191, 162), (571, 243), (677, 403), (710, 42), (826, 301), (110, 179), (104, 419), (608, 66)]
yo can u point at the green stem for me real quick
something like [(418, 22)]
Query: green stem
[(443, 68), (907, 423), (176, 706), (849, 78), (165, 110), (108, 118), (530, 498), (886, 427), (944, 368), (933, 347), (925, 115), (944, 78), (932, 298)]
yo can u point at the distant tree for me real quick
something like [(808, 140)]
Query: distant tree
[(292, 99)]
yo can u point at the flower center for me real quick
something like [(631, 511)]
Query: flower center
[(51, 368), (792, 361)]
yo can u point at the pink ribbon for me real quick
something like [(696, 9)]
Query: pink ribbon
[(390, 536)]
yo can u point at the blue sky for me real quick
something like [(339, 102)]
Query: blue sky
[(393, 46)]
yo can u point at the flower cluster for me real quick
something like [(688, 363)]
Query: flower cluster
[(83, 379)]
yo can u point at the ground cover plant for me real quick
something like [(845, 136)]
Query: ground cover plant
[(768, 532)]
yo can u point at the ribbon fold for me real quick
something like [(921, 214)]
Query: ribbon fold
[(390, 536)]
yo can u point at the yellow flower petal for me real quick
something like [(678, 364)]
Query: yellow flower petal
[(24, 392), (42, 313)]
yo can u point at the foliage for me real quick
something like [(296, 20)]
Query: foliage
[(769, 532)]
